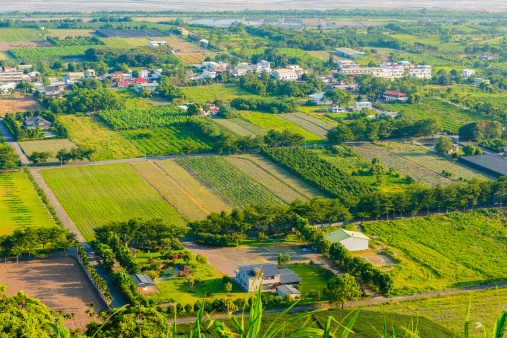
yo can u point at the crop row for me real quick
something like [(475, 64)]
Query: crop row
[(191, 58), (49, 52), (233, 127), (235, 186), (249, 126), (314, 120), (163, 116)]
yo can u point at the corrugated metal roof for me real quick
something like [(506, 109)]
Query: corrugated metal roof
[(340, 235), (288, 289), (496, 163), (287, 276)]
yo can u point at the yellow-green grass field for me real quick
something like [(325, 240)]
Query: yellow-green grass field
[(449, 310), (63, 33), (205, 197), (276, 179), (108, 144), (181, 200), (47, 145), (203, 94), (20, 34), (125, 42), (20, 206), (95, 195), (269, 121), (191, 58), (456, 250)]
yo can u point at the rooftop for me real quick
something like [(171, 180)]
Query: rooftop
[(393, 93), (267, 269), (288, 289), (340, 235), (348, 51), (142, 280)]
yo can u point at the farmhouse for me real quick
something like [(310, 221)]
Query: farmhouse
[(391, 95), (360, 105), (285, 74), (144, 283), (144, 74), (349, 53), (35, 122), (53, 90), (90, 74), (347, 64), (123, 84), (465, 73), (351, 240), (151, 87), (337, 108), (494, 165), (73, 76), (272, 277)]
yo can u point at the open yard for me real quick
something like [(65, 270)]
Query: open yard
[(47, 145), (20, 206), (173, 193), (189, 183), (278, 180), (59, 282), (25, 103), (93, 132), (203, 94), (233, 185), (95, 195), (456, 250)]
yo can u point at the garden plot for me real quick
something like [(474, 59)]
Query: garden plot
[(52, 146), (205, 197), (235, 186), (402, 166), (184, 46), (25, 103), (279, 181), (432, 161), (233, 127), (96, 195), (170, 190), (306, 125), (249, 126), (191, 58)]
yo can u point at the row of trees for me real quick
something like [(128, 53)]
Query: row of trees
[(9, 160)]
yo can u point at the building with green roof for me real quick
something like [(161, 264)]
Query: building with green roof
[(349, 53), (351, 240)]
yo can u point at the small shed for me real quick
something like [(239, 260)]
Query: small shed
[(144, 283), (351, 240), (284, 290)]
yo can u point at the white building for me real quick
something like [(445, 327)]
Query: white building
[(285, 74), (347, 64), (156, 43), (351, 240), (320, 99), (208, 74), (284, 290), (248, 277), (465, 73), (392, 95), (421, 72), (7, 88), (337, 108), (144, 74), (360, 105), (204, 42), (90, 74)]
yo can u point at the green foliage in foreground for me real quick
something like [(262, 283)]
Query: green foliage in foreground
[(450, 251)]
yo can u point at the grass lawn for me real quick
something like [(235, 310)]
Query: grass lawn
[(47, 145), (449, 310), (204, 94), (312, 279), (20, 206), (93, 132), (456, 250), (178, 288), (269, 121), (96, 195)]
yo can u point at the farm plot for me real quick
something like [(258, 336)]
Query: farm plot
[(191, 58), (25, 103), (161, 116), (203, 94), (183, 45), (44, 53), (20, 34), (20, 206), (95, 195), (235, 186), (432, 161), (271, 121), (402, 166), (52, 146), (233, 127), (307, 124), (456, 250), (249, 126), (169, 190), (165, 141), (279, 181), (108, 144), (5, 46), (63, 33), (205, 197)]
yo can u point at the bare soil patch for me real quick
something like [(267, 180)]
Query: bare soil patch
[(184, 46), (5, 46), (59, 282), (26, 103), (381, 259)]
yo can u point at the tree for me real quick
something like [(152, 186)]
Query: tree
[(228, 287), (63, 156), (202, 259), (469, 150), (189, 147), (340, 134), (444, 145), (37, 157), (338, 96), (8, 158), (314, 295), (342, 288), (193, 109), (145, 93)]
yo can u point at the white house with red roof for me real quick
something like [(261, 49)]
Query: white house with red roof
[(123, 84), (140, 80), (392, 95)]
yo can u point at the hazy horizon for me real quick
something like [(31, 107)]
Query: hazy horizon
[(231, 5)]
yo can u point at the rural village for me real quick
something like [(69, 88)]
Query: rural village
[(170, 175)]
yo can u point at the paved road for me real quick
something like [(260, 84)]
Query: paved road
[(6, 133), (371, 301), (117, 299)]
